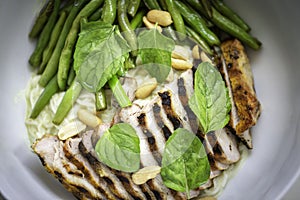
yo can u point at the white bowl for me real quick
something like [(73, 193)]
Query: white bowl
[(273, 165)]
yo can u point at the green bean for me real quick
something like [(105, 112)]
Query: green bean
[(67, 102), (125, 26), (231, 28), (152, 4), (100, 100), (66, 53), (195, 4), (137, 20), (207, 7), (45, 97), (52, 65), (199, 40), (36, 56), (177, 19), (119, 92), (109, 11), (96, 15), (197, 23), (163, 4), (41, 19), (230, 14), (53, 40), (133, 7), (71, 77)]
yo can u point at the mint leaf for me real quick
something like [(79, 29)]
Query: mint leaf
[(119, 148), (155, 51), (210, 101), (184, 163), (100, 53)]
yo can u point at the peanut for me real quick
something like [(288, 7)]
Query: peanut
[(205, 58), (163, 18), (196, 53), (88, 118), (145, 174), (71, 129), (151, 25), (181, 64), (146, 89)]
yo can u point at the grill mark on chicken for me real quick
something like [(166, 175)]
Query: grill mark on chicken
[(71, 149), (113, 183), (166, 103), (184, 101), (50, 149), (150, 137), (159, 121)]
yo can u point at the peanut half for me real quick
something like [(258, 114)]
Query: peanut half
[(146, 89), (181, 64), (151, 25), (196, 52), (71, 129), (163, 18), (145, 174), (88, 118)]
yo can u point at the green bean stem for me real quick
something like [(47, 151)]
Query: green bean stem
[(230, 14), (66, 54), (137, 20), (231, 28), (67, 102), (52, 65), (41, 19), (45, 97), (36, 56), (53, 40), (177, 18), (200, 41), (109, 11), (133, 7), (197, 23)]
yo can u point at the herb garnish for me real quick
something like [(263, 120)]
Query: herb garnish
[(155, 51), (100, 53), (119, 148), (184, 163), (210, 101)]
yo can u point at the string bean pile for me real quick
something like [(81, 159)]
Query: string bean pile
[(58, 26)]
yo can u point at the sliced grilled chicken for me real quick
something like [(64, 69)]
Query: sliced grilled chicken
[(242, 86), (50, 151)]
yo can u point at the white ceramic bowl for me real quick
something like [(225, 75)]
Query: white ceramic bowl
[(273, 165)]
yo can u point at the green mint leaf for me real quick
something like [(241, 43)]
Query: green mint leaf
[(99, 54), (119, 148), (184, 163), (155, 51), (210, 101)]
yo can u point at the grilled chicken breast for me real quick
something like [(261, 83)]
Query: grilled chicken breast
[(75, 163)]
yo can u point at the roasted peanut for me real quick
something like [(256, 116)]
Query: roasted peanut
[(146, 89), (163, 18), (145, 174), (151, 25), (88, 118), (181, 64), (71, 129), (196, 52)]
